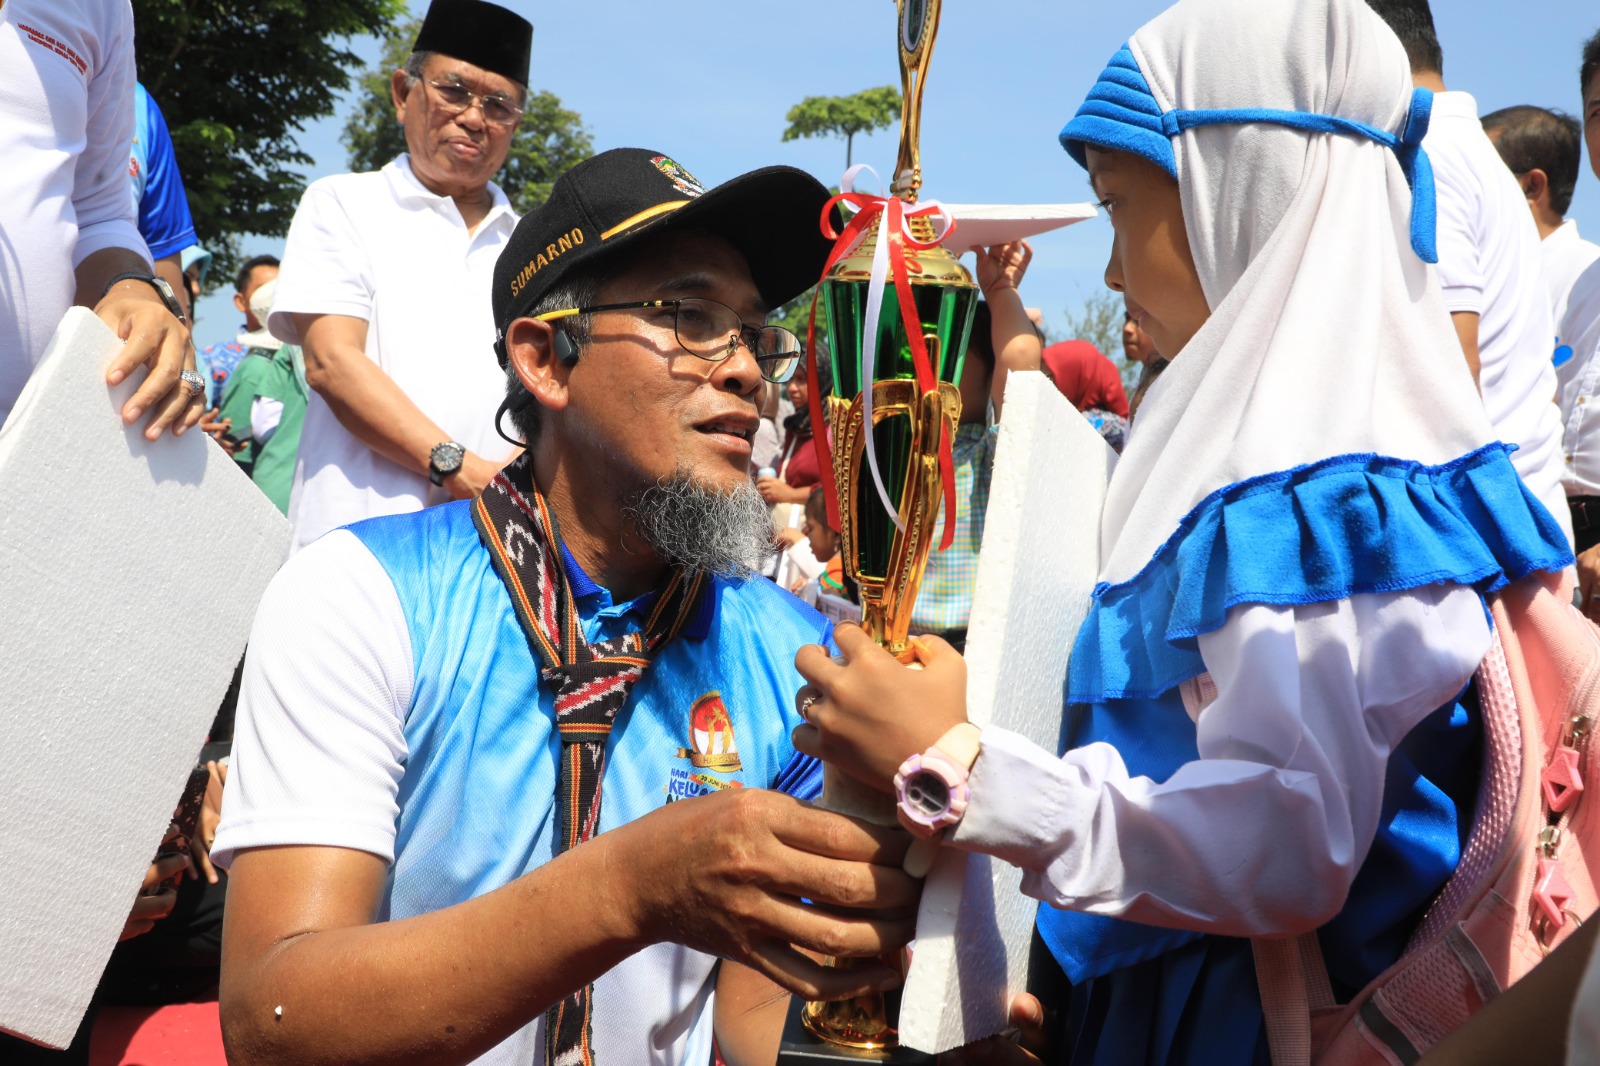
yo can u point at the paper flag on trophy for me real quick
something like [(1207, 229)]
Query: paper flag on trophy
[(985, 225)]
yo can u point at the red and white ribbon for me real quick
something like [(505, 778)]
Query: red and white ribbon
[(888, 259)]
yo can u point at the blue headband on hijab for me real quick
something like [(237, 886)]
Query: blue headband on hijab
[(1121, 114)]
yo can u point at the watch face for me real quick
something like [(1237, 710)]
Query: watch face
[(446, 458), (928, 794)]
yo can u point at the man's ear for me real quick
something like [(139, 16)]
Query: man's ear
[(1536, 187), (238, 302), (399, 89), (531, 350)]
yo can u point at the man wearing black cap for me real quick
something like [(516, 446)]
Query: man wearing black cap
[(384, 283), (511, 775)]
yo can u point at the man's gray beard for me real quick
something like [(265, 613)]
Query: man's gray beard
[(691, 525)]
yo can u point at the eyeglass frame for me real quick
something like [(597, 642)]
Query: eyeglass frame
[(477, 100), (743, 336)]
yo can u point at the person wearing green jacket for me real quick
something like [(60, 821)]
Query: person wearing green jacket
[(265, 400)]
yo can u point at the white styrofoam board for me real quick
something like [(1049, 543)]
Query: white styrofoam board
[(129, 574), (1036, 571)]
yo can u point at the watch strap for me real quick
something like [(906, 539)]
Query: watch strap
[(961, 744), (163, 290)]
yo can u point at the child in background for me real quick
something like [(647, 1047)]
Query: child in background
[(1003, 339), (824, 541), (1272, 727)]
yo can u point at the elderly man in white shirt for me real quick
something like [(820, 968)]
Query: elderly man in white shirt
[(385, 283), (1579, 373), (1543, 149)]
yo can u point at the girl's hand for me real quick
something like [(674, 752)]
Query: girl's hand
[(1002, 266), (869, 715)]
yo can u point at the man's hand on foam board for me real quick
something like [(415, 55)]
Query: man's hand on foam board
[(152, 336)]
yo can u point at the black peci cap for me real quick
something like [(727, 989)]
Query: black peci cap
[(483, 34), (606, 202)]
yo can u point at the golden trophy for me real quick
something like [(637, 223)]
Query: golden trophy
[(899, 308)]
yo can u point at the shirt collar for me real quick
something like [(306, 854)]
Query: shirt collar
[(406, 188), (1566, 233), (584, 587)]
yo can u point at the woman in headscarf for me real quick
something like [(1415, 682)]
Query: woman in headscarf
[(1271, 726)]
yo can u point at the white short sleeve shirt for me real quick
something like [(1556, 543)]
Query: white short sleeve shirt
[(1580, 386), (381, 247), (1490, 264), (66, 120), (1566, 256)]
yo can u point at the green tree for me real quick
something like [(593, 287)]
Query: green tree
[(1099, 321), (549, 142), (844, 116), (238, 80)]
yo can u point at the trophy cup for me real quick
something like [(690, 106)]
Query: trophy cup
[(899, 308)]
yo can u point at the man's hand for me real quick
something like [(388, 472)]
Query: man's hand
[(210, 817), (154, 338), (871, 714), (1002, 266), (1589, 582), (1028, 1018), (474, 476), (726, 873), (156, 896)]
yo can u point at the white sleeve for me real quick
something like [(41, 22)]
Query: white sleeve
[(325, 268), (265, 415), (102, 198), (319, 745), (1264, 833), (1462, 271)]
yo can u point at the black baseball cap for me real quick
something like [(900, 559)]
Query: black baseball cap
[(609, 201)]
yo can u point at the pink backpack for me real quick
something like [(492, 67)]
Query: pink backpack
[(1527, 877)]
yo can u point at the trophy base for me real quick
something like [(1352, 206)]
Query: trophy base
[(800, 1047)]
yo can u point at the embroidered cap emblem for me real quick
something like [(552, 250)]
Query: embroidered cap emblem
[(711, 743), (681, 179)]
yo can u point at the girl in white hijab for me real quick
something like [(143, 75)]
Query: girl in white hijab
[(1271, 726)]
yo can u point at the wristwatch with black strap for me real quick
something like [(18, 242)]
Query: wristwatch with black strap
[(444, 460), (163, 290)]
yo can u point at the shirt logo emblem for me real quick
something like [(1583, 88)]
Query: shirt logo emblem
[(681, 179), (711, 745)]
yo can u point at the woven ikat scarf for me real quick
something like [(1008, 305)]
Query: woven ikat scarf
[(591, 681)]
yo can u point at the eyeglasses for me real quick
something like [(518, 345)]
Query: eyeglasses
[(496, 109), (713, 331)]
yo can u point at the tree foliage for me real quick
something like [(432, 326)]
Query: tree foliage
[(1099, 321), (549, 142), (238, 80), (844, 116)]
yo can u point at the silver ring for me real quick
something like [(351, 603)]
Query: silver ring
[(805, 707), (196, 383)]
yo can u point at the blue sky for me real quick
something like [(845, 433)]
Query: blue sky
[(710, 81)]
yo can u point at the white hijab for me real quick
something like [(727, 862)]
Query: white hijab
[(1328, 335)]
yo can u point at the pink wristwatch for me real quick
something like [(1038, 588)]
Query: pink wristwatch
[(932, 787)]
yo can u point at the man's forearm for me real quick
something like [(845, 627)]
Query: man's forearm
[(439, 988), (98, 268), (368, 403)]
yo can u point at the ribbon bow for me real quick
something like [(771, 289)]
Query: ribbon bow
[(888, 257)]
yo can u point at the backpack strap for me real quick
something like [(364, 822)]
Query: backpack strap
[(1293, 982)]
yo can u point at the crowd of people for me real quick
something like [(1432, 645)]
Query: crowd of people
[(558, 511)]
